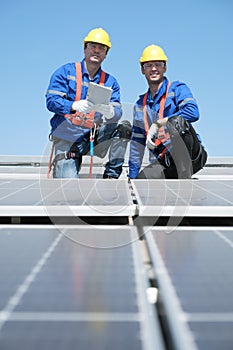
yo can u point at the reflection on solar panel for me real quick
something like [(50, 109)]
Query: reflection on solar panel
[(87, 279)]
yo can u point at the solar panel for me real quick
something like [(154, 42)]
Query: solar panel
[(211, 173), (193, 268), (65, 197), (85, 284), (184, 197), (98, 197), (74, 287)]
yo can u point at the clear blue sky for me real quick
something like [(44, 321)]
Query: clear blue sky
[(39, 36)]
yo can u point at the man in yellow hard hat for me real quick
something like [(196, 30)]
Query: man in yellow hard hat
[(77, 121), (162, 122)]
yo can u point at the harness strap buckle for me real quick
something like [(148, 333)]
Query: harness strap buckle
[(71, 155)]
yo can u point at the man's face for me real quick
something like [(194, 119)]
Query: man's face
[(95, 53), (154, 71)]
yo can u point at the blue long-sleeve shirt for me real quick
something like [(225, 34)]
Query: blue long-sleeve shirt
[(61, 95), (179, 101)]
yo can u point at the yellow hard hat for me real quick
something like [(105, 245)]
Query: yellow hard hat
[(153, 53), (99, 36)]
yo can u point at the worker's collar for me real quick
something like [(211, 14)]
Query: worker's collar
[(159, 93), (86, 74)]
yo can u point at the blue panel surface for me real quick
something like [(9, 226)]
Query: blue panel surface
[(72, 287), (65, 197), (198, 263), (184, 197)]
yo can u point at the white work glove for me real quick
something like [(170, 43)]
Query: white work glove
[(106, 110), (151, 136), (83, 106)]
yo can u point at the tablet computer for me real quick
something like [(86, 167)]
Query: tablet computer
[(99, 94)]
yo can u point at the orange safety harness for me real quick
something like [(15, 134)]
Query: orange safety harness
[(163, 135), (77, 118), (80, 119)]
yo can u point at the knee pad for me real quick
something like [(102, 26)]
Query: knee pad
[(177, 126), (124, 130)]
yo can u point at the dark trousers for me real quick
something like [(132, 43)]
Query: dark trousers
[(186, 157)]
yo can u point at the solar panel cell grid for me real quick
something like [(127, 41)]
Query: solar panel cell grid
[(94, 197), (184, 197)]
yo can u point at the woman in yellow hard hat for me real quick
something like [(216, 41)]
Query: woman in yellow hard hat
[(75, 118), (162, 122)]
